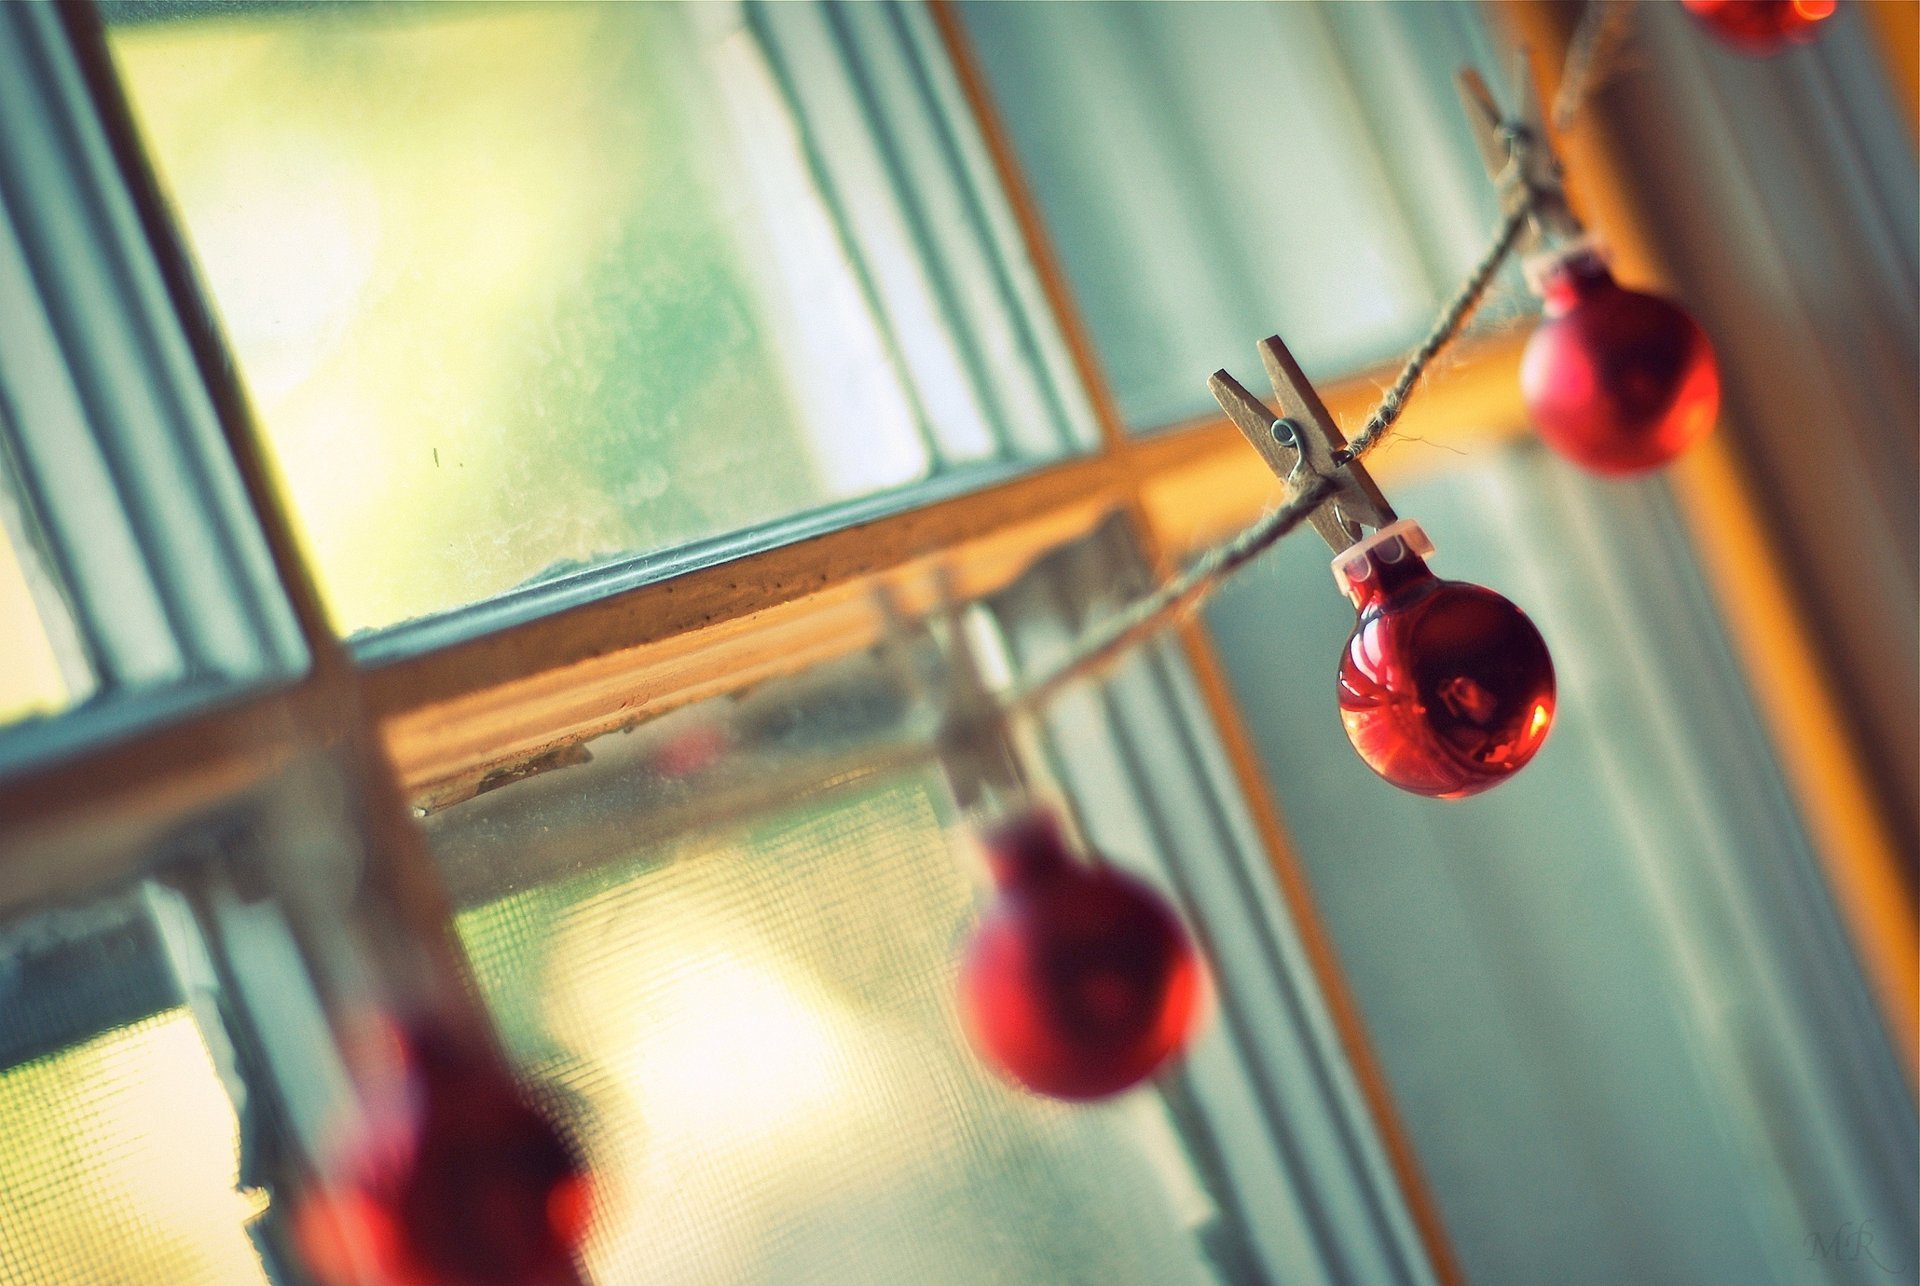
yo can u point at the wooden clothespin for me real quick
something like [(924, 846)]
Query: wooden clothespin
[(1302, 445), (977, 745), (1519, 156)]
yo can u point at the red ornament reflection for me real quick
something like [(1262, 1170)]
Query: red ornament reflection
[(1446, 688), (1616, 381), (1080, 982), (457, 1180), (1762, 27)]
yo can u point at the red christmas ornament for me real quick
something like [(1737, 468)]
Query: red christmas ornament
[(1617, 381), (1446, 688), (1762, 27), (457, 1180), (1080, 982)]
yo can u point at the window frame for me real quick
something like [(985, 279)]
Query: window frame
[(112, 442), (426, 729)]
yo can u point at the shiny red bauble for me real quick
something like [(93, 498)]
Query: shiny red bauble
[(1762, 27), (1080, 982), (1616, 381), (1446, 688), (456, 1180)]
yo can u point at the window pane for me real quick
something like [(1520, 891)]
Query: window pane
[(1621, 1020), (729, 941), (518, 290), (120, 1160), (1214, 172), (755, 1028)]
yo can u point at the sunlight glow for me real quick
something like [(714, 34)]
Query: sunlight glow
[(517, 289), (732, 1054)]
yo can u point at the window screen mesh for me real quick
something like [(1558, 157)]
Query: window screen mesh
[(118, 1161), (754, 1035)]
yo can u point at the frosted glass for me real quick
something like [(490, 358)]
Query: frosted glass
[(516, 290)]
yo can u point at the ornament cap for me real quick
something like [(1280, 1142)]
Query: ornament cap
[(1027, 848), (1556, 275), (1358, 569)]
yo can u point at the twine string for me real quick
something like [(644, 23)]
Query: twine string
[(1593, 43), (1180, 594), (1591, 55), (1452, 320), (1174, 598)]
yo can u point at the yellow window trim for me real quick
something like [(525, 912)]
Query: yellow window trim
[(1766, 621)]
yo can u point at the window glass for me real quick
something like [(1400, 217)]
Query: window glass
[(1211, 173), (120, 1165), (121, 1154), (518, 290), (1617, 1011), (727, 943)]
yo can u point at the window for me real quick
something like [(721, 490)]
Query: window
[(453, 459), (517, 291), (83, 1203), (762, 1022)]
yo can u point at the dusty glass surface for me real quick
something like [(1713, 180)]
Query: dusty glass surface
[(753, 1032), (515, 289)]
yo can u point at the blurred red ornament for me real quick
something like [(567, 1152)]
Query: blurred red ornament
[(1762, 27), (692, 752), (1616, 381), (457, 1180), (1446, 688), (1080, 981)]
